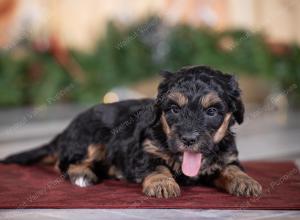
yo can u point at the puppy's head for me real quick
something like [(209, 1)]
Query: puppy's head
[(198, 106)]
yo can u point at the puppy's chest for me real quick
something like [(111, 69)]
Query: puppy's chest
[(172, 161)]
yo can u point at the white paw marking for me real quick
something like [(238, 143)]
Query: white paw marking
[(82, 182)]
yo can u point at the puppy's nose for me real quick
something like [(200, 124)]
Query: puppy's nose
[(189, 139)]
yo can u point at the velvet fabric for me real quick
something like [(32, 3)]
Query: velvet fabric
[(41, 187)]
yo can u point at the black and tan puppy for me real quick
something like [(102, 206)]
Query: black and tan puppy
[(181, 137)]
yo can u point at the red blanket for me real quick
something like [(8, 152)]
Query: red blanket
[(38, 187)]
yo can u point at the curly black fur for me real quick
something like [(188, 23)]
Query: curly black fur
[(123, 127)]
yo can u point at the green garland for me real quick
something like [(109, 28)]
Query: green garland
[(125, 56)]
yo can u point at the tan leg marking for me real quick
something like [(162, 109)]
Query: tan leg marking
[(238, 183), (96, 152), (49, 160), (115, 172), (161, 184), (81, 174)]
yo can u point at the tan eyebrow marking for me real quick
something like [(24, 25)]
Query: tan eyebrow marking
[(209, 99), (179, 98)]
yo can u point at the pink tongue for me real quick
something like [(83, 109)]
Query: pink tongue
[(191, 163)]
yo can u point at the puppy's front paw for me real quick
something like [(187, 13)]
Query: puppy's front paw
[(236, 182), (163, 187), (244, 185)]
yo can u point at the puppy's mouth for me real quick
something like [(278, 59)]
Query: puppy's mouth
[(192, 156), (191, 163)]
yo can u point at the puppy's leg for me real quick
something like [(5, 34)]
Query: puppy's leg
[(160, 184), (82, 173), (233, 180)]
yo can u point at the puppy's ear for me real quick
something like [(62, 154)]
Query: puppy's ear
[(237, 104), (164, 86), (165, 74)]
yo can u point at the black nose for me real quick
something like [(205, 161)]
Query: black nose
[(189, 139)]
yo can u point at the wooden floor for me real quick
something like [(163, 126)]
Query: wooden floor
[(269, 136), (144, 214)]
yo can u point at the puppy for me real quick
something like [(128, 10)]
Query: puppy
[(181, 137)]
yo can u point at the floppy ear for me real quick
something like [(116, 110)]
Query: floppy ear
[(165, 74), (237, 104), (164, 86)]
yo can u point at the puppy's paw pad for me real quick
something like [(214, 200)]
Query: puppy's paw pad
[(244, 186), (162, 188)]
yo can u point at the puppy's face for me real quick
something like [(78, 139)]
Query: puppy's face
[(198, 105), (192, 119)]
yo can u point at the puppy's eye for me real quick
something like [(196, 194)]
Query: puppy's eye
[(174, 109), (212, 111)]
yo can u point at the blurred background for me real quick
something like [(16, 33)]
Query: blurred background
[(58, 57)]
